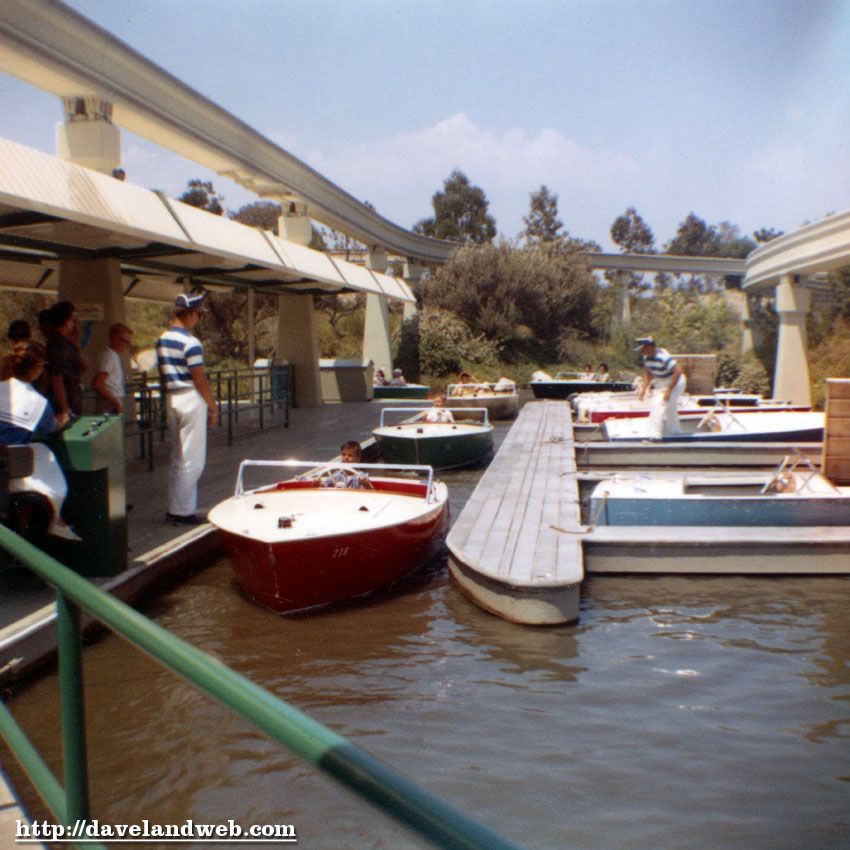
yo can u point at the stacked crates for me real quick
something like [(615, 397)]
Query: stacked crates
[(836, 443)]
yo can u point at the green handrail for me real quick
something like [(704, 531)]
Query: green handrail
[(426, 814)]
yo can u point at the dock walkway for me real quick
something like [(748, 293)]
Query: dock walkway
[(511, 550)]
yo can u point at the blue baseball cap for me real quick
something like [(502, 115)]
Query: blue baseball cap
[(642, 341), (190, 302)]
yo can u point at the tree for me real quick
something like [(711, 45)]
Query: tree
[(541, 223), (632, 233), (264, 214), (695, 238), (504, 292), (764, 235), (200, 193), (460, 213)]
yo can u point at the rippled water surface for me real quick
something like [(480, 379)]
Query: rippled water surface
[(680, 712)]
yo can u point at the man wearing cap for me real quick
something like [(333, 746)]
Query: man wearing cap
[(662, 368), (190, 407)]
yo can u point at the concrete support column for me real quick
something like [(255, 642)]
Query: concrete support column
[(747, 341), (88, 137), (294, 223), (622, 314), (94, 287), (297, 344), (377, 339), (791, 382), (412, 277)]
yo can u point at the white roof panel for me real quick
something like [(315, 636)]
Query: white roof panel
[(306, 261), (33, 180), (214, 233), (395, 287), (358, 277)]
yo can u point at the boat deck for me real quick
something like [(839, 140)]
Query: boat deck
[(511, 549)]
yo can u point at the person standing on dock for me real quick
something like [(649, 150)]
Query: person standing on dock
[(662, 369), (189, 405), (108, 381)]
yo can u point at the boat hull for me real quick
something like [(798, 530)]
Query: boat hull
[(409, 391), (564, 389), (327, 565), (781, 499), (498, 405), (774, 427), (441, 446)]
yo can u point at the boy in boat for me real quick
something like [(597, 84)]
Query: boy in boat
[(439, 413), (466, 385), (347, 479), (398, 379)]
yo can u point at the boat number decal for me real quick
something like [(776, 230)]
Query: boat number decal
[(340, 552)]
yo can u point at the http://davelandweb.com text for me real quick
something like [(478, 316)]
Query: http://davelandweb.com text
[(144, 830)]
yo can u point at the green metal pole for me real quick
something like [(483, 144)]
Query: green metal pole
[(39, 773), (425, 813), (70, 645)]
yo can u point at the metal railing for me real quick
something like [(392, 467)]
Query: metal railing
[(441, 824), (262, 393)]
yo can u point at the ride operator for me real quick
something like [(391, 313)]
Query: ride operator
[(662, 368)]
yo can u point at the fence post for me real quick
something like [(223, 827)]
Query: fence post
[(70, 647)]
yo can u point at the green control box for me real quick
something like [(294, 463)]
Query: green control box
[(91, 454)]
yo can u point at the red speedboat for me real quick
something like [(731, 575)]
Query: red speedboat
[(310, 540)]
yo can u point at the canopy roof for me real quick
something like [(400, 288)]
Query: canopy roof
[(51, 210)]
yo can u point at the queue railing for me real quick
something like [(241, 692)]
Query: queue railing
[(440, 823), (259, 395)]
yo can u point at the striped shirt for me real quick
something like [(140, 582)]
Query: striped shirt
[(660, 364), (176, 352)]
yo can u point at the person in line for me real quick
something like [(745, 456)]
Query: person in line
[(603, 375), (662, 369), (26, 417), (347, 479), (19, 335), (398, 379), (380, 379), (108, 381), (66, 362), (439, 413), (190, 407)]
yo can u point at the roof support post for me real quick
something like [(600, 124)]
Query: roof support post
[(377, 340), (622, 314), (791, 381), (95, 288), (88, 137), (297, 344)]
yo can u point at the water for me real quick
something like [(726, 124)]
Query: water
[(680, 712)]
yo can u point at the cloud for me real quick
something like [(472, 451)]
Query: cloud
[(399, 174)]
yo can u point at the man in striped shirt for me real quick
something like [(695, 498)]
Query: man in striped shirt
[(190, 407), (662, 369)]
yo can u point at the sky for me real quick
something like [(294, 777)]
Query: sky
[(735, 110)]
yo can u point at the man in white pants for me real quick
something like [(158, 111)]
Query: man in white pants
[(662, 369), (190, 408)]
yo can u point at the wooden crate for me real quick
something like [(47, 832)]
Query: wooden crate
[(836, 443), (700, 371)]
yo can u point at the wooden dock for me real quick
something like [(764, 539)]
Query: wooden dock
[(511, 550), (519, 548)]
